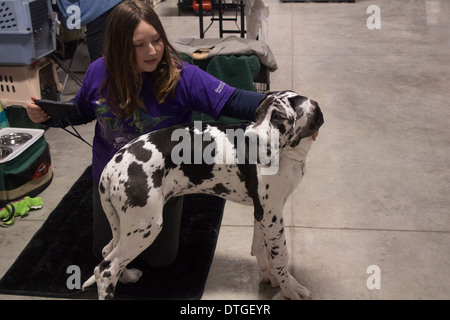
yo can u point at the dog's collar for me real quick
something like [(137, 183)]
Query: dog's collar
[(300, 152)]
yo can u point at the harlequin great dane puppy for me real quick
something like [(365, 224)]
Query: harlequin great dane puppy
[(149, 170)]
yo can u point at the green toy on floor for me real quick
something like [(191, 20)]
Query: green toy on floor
[(18, 208)]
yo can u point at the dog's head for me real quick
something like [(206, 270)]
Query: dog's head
[(283, 119), (294, 116)]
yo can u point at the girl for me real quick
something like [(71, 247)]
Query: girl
[(140, 85)]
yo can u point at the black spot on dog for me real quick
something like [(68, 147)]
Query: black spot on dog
[(137, 149), (110, 292), (162, 141), (101, 188), (146, 235), (197, 173), (119, 155), (282, 128), (274, 219), (274, 251), (106, 274), (220, 189), (157, 177), (248, 173), (105, 264), (136, 187), (193, 165)]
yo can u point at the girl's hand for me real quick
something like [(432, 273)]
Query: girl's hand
[(35, 113)]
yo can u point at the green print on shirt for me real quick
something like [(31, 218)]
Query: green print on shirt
[(142, 122)]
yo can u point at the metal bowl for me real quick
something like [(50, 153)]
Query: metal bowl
[(4, 152), (14, 139)]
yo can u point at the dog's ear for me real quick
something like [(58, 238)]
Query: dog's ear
[(271, 92), (295, 102), (313, 122)]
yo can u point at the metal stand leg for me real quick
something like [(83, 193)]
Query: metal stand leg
[(200, 17), (221, 19), (66, 69)]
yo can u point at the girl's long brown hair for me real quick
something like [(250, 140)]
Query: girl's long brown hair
[(123, 81)]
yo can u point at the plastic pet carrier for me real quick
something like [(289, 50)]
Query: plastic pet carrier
[(27, 31), (19, 83)]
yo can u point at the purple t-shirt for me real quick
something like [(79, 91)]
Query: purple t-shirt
[(196, 91)]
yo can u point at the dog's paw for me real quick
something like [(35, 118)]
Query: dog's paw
[(89, 282), (295, 291), (267, 277), (130, 275)]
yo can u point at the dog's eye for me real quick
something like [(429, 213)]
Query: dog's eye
[(278, 116)]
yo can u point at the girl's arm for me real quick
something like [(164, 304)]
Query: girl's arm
[(37, 115), (242, 104)]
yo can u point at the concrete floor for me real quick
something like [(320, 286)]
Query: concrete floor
[(376, 192)]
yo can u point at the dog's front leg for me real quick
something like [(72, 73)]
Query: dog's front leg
[(259, 250), (276, 250)]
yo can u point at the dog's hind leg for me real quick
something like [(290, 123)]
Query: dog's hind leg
[(114, 223), (137, 232), (113, 219), (128, 275)]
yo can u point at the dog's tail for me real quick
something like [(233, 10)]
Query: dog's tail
[(89, 282)]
